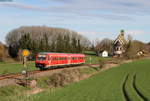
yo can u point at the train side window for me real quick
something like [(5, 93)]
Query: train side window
[(54, 58), (74, 58), (49, 58)]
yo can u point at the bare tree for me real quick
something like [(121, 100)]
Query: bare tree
[(105, 44), (42, 38)]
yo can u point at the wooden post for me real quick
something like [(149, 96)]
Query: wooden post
[(25, 54), (26, 70), (24, 61), (90, 60)]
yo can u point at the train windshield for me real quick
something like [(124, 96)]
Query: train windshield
[(41, 57)]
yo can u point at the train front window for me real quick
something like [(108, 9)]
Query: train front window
[(42, 57)]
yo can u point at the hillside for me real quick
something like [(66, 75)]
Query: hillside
[(127, 82)]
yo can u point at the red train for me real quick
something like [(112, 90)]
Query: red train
[(46, 60)]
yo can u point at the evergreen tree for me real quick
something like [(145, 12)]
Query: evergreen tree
[(79, 50), (41, 44), (46, 44), (66, 44), (74, 45), (59, 44), (25, 42), (53, 46)]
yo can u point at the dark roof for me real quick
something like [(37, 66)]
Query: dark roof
[(120, 39)]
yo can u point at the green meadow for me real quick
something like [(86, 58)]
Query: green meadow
[(9, 67), (127, 82)]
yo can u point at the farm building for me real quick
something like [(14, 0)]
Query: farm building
[(104, 54), (119, 44)]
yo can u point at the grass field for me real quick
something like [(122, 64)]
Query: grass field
[(7, 68), (95, 59), (128, 82)]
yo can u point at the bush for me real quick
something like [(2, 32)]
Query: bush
[(2, 52), (133, 48)]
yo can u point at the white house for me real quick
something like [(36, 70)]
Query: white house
[(104, 54)]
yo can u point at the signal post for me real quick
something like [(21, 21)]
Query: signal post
[(25, 54)]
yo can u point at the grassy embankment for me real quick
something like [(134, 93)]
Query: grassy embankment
[(128, 81)]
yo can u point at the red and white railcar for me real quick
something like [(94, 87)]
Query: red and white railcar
[(48, 60)]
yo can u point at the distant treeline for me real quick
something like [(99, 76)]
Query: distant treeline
[(45, 39)]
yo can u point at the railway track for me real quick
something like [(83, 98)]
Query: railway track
[(15, 75)]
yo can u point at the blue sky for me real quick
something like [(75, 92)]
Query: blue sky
[(95, 19)]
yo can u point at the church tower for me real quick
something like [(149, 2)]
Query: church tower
[(119, 44)]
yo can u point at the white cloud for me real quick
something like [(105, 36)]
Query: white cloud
[(88, 33), (135, 32), (93, 35), (21, 6), (119, 9)]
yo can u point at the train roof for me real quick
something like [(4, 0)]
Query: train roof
[(53, 53)]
